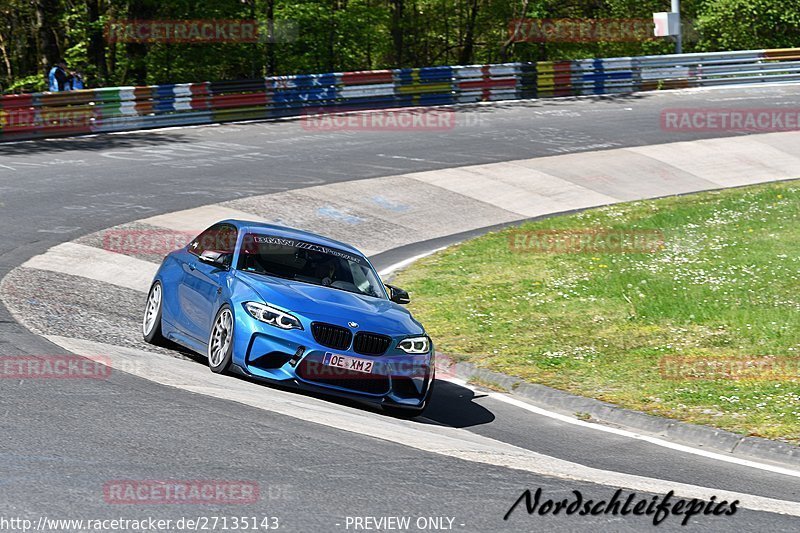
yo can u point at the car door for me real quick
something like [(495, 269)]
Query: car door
[(201, 287)]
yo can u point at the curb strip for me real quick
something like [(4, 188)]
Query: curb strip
[(753, 448)]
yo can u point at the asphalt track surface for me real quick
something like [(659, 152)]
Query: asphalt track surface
[(63, 439)]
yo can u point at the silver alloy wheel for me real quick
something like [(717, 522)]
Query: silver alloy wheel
[(220, 338), (151, 309)]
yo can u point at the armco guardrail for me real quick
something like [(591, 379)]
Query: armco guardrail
[(110, 109)]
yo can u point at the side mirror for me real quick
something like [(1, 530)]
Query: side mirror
[(217, 259), (398, 295)]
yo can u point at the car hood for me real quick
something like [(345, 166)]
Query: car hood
[(335, 306)]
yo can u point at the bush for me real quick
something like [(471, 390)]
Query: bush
[(749, 24)]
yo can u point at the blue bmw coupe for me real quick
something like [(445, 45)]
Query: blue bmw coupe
[(291, 307)]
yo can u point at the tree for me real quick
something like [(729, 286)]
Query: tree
[(96, 49), (468, 49), (47, 27), (340, 35), (749, 24), (397, 30)]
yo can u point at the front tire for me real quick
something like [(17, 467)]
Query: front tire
[(151, 321), (220, 341)]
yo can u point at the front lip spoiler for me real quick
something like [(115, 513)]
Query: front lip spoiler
[(296, 384)]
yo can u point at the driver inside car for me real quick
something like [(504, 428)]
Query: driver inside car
[(325, 271)]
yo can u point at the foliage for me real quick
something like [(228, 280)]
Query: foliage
[(339, 35), (679, 332), (750, 24)]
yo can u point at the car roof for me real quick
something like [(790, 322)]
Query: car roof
[(290, 233)]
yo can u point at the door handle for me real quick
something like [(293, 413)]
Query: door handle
[(191, 266)]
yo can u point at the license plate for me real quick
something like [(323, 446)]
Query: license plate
[(348, 363)]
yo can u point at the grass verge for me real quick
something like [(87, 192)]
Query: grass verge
[(703, 327)]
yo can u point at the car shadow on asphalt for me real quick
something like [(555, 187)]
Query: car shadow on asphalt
[(58, 146), (455, 406), (451, 404)]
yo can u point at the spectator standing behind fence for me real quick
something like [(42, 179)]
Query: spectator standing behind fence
[(77, 81), (58, 78)]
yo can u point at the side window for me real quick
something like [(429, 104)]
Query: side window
[(217, 238)]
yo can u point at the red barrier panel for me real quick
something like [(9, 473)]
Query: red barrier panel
[(65, 113), (144, 102), (562, 78), (199, 96), (225, 101), (67, 98), (367, 77), (71, 120), (17, 116), (782, 54), (130, 108)]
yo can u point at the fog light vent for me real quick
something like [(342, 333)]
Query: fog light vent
[(297, 355)]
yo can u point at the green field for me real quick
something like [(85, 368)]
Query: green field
[(722, 291)]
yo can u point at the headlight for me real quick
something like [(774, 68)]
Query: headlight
[(415, 345), (272, 316)]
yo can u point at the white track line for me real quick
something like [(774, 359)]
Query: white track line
[(442, 440), (132, 273), (405, 262), (620, 432), (630, 434)]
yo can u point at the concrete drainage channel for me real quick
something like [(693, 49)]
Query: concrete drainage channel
[(92, 289)]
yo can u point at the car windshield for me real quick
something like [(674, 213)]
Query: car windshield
[(308, 263)]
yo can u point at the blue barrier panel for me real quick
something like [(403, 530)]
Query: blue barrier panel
[(409, 100), (129, 108), (424, 75), (599, 77), (164, 98), (302, 90), (424, 86), (526, 82)]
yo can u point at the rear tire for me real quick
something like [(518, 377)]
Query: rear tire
[(151, 321), (220, 341)]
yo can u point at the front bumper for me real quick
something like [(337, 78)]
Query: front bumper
[(293, 358)]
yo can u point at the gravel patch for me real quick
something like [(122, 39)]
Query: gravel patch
[(50, 303)]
